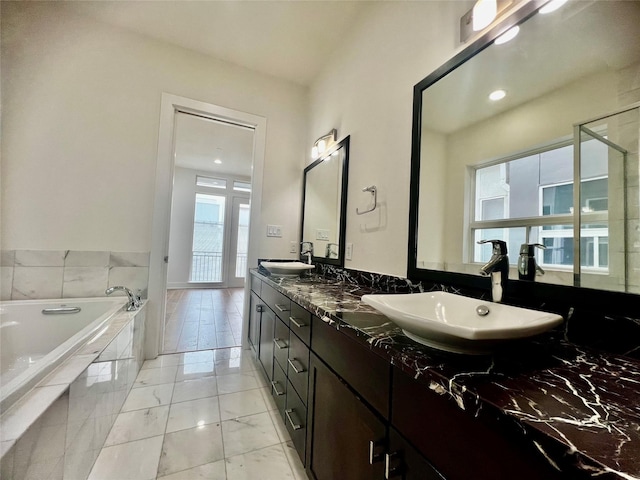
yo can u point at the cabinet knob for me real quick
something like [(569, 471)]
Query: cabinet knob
[(259, 308), (282, 308), (276, 390), (395, 470), (376, 451), (280, 344)]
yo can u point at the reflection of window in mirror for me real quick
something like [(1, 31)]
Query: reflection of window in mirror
[(528, 198)]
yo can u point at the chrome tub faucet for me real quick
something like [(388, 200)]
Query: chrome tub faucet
[(498, 268), (134, 300)]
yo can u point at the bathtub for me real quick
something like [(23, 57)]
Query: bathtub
[(33, 344)]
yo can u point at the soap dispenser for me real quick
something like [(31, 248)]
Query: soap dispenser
[(527, 266)]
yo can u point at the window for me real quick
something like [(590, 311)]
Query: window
[(529, 199), (240, 186), (211, 182)]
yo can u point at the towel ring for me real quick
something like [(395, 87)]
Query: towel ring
[(374, 191)]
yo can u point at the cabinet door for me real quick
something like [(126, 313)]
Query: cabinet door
[(403, 462), (267, 331), (255, 311), (341, 430)]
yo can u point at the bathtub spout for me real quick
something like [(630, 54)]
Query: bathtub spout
[(134, 300)]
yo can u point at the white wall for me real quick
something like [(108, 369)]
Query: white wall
[(80, 116), (366, 92)]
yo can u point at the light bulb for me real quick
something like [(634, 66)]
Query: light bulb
[(497, 95), (484, 11), (552, 6), (508, 35)]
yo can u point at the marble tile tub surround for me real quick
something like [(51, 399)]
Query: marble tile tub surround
[(58, 429), (576, 405), (36, 274)]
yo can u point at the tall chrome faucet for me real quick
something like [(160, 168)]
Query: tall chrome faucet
[(498, 268), (134, 300), (306, 248)]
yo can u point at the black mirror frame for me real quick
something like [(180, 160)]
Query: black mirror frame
[(617, 302), (344, 143)]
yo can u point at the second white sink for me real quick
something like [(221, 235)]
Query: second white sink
[(460, 324), (287, 268)]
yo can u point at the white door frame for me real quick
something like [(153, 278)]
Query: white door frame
[(170, 105)]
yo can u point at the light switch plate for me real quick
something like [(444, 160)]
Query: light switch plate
[(348, 251), (274, 230), (293, 247), (322, 234)]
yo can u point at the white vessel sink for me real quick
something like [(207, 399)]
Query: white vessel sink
[(452, 322), (287, 268)]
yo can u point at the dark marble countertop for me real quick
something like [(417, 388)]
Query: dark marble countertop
[(580, 406)]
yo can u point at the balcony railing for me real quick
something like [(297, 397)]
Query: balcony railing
[(207, 266)]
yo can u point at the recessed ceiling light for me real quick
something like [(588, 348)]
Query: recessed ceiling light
[(508, 35), (217, 161), (497, 95), (552, 6)]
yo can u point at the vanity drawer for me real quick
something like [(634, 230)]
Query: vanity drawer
[(281, 344), (295, 418), (256, 284), (367, 373), (300, 323), (298, 363), (277, 302), (279, 389)]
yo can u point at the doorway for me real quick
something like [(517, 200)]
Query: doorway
[(238, 242)]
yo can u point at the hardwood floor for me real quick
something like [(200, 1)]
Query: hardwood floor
[(202, 319)]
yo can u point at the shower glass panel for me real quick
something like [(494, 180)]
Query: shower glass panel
[(608, 202)]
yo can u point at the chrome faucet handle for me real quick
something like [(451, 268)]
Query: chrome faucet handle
[(499, 246)]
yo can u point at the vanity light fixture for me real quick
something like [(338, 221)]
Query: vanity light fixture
[(497, 95), (508, 35), (322, 143), (552, 6), (484, 12)]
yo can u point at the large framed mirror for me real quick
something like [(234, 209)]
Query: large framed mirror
[(562, 130), (324, 206)]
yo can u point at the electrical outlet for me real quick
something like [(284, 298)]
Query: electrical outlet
[(293, 247), (274, 230), (348, 251)]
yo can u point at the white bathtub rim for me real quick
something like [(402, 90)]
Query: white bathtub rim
[(17, 419), (19, 386)]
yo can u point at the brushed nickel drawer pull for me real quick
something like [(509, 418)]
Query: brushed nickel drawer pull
[(389, 471), (375, 455), (294, 423), (299, 368), (281, 344), (282, 308), (297, 322), (275, 388)]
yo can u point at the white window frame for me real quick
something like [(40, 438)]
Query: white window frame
[(529, 223)]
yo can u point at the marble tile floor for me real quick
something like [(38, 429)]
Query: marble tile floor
[(199, 415), (201, 319)]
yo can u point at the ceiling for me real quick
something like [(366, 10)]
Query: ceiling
[(291, 40), (551, 51), (200, 141)]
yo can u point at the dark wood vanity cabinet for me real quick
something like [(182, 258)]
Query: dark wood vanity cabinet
[(351, 415), (255, 312), (456, 443), (342, 430)]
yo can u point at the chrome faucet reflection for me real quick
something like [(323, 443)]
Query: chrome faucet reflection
[(498, 268), (306, 248), (134, 300)]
